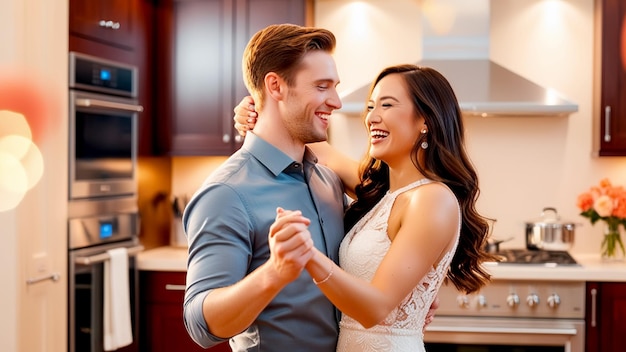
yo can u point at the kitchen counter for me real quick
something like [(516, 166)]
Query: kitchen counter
[(591, 268), (163, 259)]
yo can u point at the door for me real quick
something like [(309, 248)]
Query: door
[(108, 21), (207, 42), (33, 242), (613, 75), (606, 316)]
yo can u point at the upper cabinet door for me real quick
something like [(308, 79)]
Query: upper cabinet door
[(107, 21), (202, 46), (254, 15), (612, 121), (202, 81)]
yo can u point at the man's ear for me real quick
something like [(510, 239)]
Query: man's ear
[(275, 86)]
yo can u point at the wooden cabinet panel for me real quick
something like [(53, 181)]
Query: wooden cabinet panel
[(254, 15), (162, 328), (612, 114), (202, 46), (606, 316), (108, 21), (203, 65)]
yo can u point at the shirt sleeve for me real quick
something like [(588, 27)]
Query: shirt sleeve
[(219, 234)]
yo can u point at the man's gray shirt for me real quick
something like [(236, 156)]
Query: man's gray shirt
[(227, 223)]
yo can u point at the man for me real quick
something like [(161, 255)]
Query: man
[(241, 283)]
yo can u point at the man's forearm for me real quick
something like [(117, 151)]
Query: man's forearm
[(230, 310)]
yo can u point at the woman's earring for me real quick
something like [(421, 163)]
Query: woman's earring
[(424, 144)]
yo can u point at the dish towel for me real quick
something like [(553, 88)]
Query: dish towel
[(118, 331)]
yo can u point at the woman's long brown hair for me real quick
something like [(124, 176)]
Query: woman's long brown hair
[(445, 160)]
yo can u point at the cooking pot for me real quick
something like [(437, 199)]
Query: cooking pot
[(493, 246), (549, 233)]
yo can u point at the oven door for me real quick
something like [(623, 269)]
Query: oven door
[(103, 145), (482, 334), (86, 296)]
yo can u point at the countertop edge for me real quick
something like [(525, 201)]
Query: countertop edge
[(592, 269)]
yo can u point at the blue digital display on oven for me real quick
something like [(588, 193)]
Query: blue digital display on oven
[(106, 230), (105, 75)]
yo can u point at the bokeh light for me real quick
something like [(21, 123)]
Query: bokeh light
[(30, 157), (21, 92), (13, 181), (24, 115)]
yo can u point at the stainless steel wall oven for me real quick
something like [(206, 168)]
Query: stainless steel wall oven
[(103, 127), (102, 200)]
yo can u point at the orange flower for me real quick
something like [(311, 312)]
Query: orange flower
[(619, 208), (603, 202), (585, 201), (603, 205)]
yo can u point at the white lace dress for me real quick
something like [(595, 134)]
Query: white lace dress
[(360, 254)]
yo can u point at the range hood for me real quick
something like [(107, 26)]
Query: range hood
[(455, 41), (484, 88)]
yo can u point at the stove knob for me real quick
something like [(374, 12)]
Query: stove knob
[(532, 300), (482, 301), (462, 301), (554, 301), (512, 300)]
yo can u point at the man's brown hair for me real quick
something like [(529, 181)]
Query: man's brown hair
[(279, 48)]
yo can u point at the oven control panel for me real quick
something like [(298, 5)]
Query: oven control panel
[(531, 299)]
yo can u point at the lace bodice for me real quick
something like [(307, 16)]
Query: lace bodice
[(360, 254)]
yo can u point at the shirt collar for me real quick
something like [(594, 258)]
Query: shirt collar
[(270, 156)]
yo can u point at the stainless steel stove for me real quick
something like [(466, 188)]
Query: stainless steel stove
[(535, 257), (513, 315)]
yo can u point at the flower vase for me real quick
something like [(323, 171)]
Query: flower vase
[(612, 245)]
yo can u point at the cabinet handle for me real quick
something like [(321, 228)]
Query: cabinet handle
[(238, 138), (109, 24), (226, 138), (594, 294), (607, 123), (173, 287)]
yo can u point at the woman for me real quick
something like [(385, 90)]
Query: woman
[(413, 223)]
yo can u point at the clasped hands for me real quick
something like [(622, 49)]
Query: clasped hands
[(291, 248), (291, 245)]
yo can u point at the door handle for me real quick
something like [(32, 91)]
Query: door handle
[(54, 277), (99, 258), (108, 104), (173, 287)]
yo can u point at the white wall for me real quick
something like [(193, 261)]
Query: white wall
[(33, 43), (524, 164)]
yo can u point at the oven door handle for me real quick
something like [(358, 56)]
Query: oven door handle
[(504, 330), (486, 325), (99, 258), (108, 104)]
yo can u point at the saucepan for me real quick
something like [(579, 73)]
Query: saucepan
[(492, 245), (548, 232)]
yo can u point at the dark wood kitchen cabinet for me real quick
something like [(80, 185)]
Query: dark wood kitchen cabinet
[(109, 21), (610, 135), (605, 316), (199, 62), (162, 328)]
